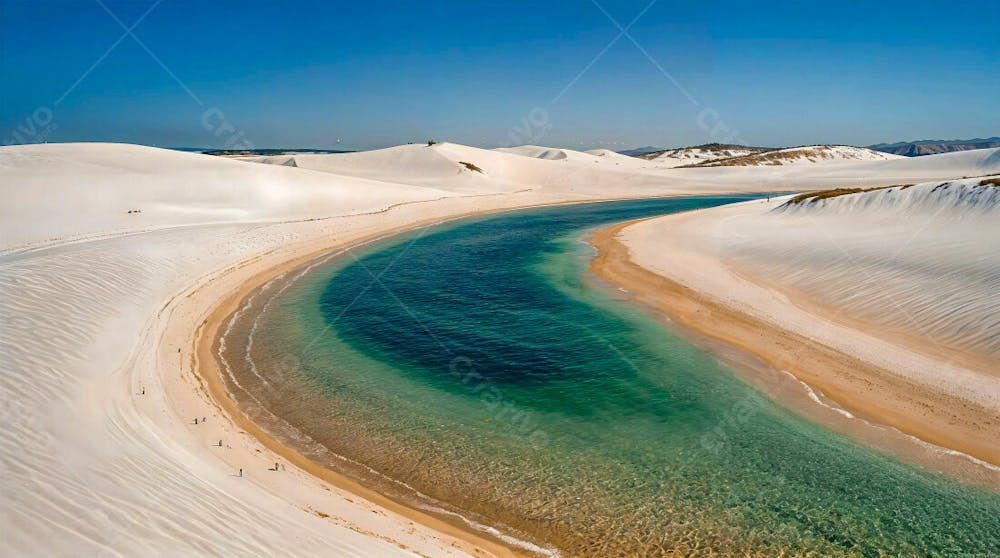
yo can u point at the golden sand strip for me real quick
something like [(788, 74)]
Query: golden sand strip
[(223, 294), (869, 392), (205, 366), (219, 297)]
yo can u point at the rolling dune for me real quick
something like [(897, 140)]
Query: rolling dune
[(111, 255), (904, 279)]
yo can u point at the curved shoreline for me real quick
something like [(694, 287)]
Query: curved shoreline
[(857, 389), (242, 279), (204, 365), (480, 536), (219, 296), (201, 358)]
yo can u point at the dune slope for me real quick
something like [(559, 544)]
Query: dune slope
[(60, 190), (906, 279), (811, 154), (924, 258), (94, 456)]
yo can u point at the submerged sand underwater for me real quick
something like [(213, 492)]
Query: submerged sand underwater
[(470, 367)]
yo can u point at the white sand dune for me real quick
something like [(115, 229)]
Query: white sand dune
[(55, 191), (924, 258), (93, 467), (670, 158), (538, 152), (442, 166), (975, 162), (612, 155), (585, 175), (95, 301), (412, 164), (917, 267), (602, 156), (736, 155), (907, 170), (804, 155)]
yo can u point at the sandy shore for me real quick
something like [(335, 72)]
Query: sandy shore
[(200, 315), (208, 306), (859, 387), (213, 301)]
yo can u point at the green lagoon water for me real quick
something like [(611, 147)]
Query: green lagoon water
[(473, 368)]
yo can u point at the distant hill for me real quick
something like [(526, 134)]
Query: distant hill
[(268, 152), (798, 155), (930, 147), (699, 154), (730, 155)]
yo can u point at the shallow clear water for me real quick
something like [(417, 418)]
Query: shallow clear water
[(475, 363)]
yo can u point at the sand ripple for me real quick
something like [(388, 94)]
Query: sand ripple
[(89, 465)]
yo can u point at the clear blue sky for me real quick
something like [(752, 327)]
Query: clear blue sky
[(371, 74)]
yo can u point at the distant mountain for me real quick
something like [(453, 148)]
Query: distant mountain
[(930, 147), (640, 150)]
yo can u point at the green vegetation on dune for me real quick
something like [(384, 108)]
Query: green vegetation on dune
[(812, 197)]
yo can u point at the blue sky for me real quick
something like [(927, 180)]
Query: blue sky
[(359, 75)]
